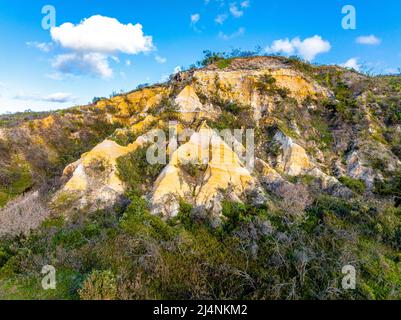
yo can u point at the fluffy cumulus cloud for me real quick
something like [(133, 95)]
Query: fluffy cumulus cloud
[(102, 35), (94, 43), (371, 40), (58, 97), (281, 46), (352, 64), (307, 49), (95, 64)]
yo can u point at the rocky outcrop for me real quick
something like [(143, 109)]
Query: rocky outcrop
[(314, 147), (191, 107), (188, 101), (239, 85), (203, 172), (271, 180), (93, 180), (293, 159), (357, 170)]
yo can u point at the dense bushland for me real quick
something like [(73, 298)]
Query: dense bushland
[(260, 253)]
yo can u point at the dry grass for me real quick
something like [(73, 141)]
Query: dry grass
[(23, 214)]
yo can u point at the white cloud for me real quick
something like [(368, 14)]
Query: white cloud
[(238, 12), (195, 18), (128, 62), (235, 11), (58, 97), (102, 35), (221, 18), (95, 64), (236, 34), (95, 42), (352, 64), (311, 47), (282, 46), (308, 48), (245, 4), (368, 40), (160, 60), (42, 46)]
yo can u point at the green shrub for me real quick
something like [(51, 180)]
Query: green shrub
[(234, 212), (224, 63), (138, 221), (355, 185), (233, 108), (14, 181), (306, 179), (185, 215), (267, 84), (233, 116), (325, 139), (4, 256), (389, 222), (4, 198), (397, 151), (378, 164), (237, 213), (324, 204), (100, 285), (57, 222), (211, 57), (196, 171), (345, 104), (30, 288), (389, 187), (136, 171), (69, 239), (124, 138)]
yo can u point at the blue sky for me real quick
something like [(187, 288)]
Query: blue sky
[(70, 64)]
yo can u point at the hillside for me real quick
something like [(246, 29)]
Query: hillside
[(322, 191)]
